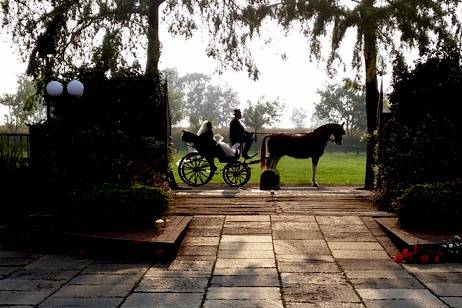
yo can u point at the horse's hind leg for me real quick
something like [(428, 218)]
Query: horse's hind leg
[(273, 161), (314, 166)]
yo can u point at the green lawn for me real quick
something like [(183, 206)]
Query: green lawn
[(333, 169)]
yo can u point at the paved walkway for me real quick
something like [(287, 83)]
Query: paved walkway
[(274, 260), (300, 200)]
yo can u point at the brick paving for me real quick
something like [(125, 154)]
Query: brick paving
[(290, 261)]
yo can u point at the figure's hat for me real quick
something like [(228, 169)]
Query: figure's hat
[(237, 111)]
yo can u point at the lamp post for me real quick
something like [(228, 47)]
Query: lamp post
[(55, 88)]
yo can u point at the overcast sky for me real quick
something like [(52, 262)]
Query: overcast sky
[(294, 81)]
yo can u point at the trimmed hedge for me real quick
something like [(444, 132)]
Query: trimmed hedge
[(430, 205), (111, 207)]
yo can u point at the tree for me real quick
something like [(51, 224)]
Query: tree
[(263, 112), (342, 104), (18, 104), (206, 101), (56, 35), (298, 117), (176, 97), (380, 26)]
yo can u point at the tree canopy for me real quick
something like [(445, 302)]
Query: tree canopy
[(263, 112), (18, 103), (57, 35), (196, 97), (381, 27), (298, 117), (342, 104)]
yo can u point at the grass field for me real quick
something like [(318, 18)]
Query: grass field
[(333, 169)]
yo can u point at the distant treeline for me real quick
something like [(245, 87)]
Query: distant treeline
[(351, 144)]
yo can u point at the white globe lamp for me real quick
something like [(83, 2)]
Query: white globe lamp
[(75, 88), (54, 88)]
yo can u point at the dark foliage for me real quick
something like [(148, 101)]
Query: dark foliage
[(110, 207), (422, 141), (436, 205), (116, 132), (87, 160)]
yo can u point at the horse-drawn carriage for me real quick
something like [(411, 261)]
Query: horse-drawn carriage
[(196, 168)]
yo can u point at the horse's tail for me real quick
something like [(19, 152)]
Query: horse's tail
[(263, 153)]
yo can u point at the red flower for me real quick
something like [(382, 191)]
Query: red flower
[(424, 259), (407, 255), (416, 249), (437, 258), (399, 257)]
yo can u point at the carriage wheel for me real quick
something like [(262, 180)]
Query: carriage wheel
[(194, 169), (236, 174)]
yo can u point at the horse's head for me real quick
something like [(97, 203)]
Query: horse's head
[(338, 132)]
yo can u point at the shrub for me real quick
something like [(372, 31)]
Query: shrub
[(424, 205), (420, 141), (111, 207)]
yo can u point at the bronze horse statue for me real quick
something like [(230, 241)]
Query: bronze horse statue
[(300, 146)]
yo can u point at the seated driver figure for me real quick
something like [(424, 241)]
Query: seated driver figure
[(238, 135)]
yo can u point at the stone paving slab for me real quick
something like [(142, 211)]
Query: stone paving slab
[(247, 224), (308, 226), (377, 274), (373, 294), (386, 283), (245, 281), (81, 302), (54, 262), (198, 250), (24, 297), (453, 301), (245, 263), (445, 289), (207, 222), (201, 240), (116, 268), (161, 274), (44, 274), (236, 303), (5, 271), (404, 303), (293, 218), (324, 305), (305, 258), (445, 277), (368, 264), (247, 218), (106, 279), (333, 235), (302, 247), (307, 267), (297, 235), (245, 271), (245, 246), (243, 293), (313, 278), (204, 232), (360, 254), (354, 246), (247, 231), (434, 268), (312, 293), (17, 261), (163, 300), (12, 284), (120, 290), (246, 239), (339, 220), (245, 254), (176, 285)]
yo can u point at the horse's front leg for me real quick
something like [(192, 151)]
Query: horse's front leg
[(314, 166)]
